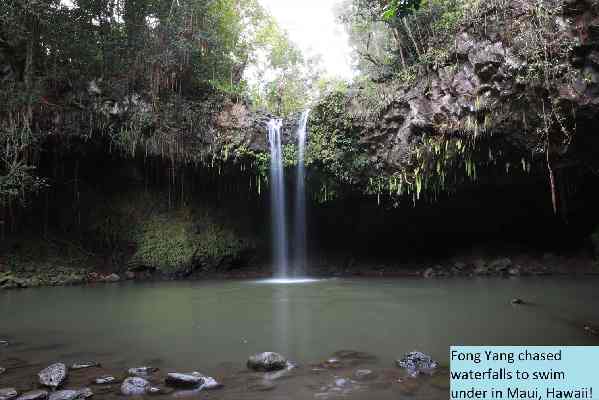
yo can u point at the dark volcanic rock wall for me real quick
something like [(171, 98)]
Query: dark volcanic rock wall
[(517, 88)]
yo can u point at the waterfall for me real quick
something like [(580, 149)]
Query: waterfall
[(299, 238), (279, 231)]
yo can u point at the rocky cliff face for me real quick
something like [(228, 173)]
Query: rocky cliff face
[(517, 89)]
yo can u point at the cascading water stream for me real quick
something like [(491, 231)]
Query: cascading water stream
[(280, 256), (300, 236)]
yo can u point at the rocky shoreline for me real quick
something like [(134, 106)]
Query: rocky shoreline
[(464, 267), (345, 372)]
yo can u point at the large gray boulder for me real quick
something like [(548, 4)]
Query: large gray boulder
[(34, 395), (190, 379), (84, 364), (53, 376), (8, 394), (267, 361), (79, 394), (142, 372), (417, 363), (135, 386)]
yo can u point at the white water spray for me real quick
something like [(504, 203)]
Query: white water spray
[(300, 236), (279, 231)]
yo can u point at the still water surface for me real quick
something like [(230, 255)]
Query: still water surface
[(213, 326)]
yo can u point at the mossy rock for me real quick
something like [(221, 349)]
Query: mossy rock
[(180, 242)]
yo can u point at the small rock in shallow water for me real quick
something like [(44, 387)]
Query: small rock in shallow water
[(428, 273), (142, 372), (84, 393), (515, 271), (267, 361), (416, 363), (2, 370), (80, 394), (591, 330), (86, 364), (134, 386), (191, 379), (364, 375), (112, 278), (501, 264), (53, 376), (34, 395), (104, 380), (283, 373), (517, 301), (8, 394), (3, 342)]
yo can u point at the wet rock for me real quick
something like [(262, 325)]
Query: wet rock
[(364, 375), (112, 278), (501, 265), (591, 330), (284, 373), (84, 393), (517, 301), (8, 394), (515, 271), (428, 273), (267, 361), (142, 372), (481, 270), (331, 363), (154, 390), (211, 384), (207, 383), (135, 386), (53, 375), (34, 395), (2, 370), (79, 394), (3, 342), (85, 364), (64, 395), (417, 362), (191, 379), (104, 380), (342, 382)]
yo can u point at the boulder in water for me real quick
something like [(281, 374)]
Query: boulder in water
[(104, 380), (84, 364), (267, 361), (191, 379), (34, 395), (142, 372), (517, 301), (8, 394), (112, 278), (501, 265), (416, 363), (364, 375), (2, 370), (283, 373), (134, 386), (53, 376), (3, 342), (80, 394)]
